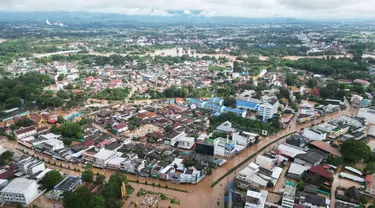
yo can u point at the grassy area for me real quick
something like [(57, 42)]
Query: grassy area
[(248, 159)]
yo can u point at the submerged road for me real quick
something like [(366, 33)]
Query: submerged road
[(201, 194)]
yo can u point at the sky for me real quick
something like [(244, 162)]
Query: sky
[(306, 9)]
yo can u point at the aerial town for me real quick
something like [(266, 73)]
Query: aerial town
[(158, 115)]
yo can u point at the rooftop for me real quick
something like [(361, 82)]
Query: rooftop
[(19, 186)]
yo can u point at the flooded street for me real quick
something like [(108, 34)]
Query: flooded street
[(201, 194)]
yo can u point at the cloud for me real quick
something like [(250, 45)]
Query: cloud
[(239, 8)]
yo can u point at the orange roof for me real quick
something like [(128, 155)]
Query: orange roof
[(326, 147)]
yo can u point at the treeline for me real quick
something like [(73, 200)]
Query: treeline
[(328, 66), (113, 94), (245, 124), (183, 92), (25, 88)]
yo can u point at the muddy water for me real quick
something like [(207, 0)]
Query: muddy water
[(201, 194)]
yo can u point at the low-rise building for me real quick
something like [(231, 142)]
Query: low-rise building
[(312, 134), (21, 191), (25, 132), (102, 157), (69, 183)]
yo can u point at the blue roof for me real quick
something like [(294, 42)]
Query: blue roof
[(195, 101), (247, 104), (215, 100), (212, 105)]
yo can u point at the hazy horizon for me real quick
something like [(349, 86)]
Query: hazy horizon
[(317, 9)]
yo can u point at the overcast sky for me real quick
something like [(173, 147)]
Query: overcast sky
[(307, 9)]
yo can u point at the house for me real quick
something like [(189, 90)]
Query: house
[(51, 145), (225, 127), (50, 118), (311, 200), (317, 175), (25, 132), (101, 158), (225, 147), (186, 142), (69, 183), (370, 185), (249, 177), (268, 109), (326, 148), (21, 191), (296, 171), (266, 162), (120, 127), (173, 138), (115, 84), (308, 159), (312, 134)]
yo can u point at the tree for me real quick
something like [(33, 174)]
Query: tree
[(269, 184), (300, 185), (291, 79), (60, 119), (60, 77), (355, 151), (100, 179), (51, 179), (67, 141), (312, 83), (87, 176), (363, 199), (230, 102), (82, 198), (370, 168)]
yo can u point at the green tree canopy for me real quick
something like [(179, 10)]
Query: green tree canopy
[(355, 151), (87, 176), (51, 179)]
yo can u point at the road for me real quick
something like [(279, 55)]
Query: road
[(201, 194)]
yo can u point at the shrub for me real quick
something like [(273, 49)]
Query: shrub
[(364, 199)]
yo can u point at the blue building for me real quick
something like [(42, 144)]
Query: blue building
[(217, 101), (196, 102), (247, 105), (236, 111), (213, 107)]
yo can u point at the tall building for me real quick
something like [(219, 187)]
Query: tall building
[(255, 199), (268, 109)]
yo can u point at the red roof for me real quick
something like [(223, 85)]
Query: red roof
[(326, 147), (368, 178), (319, 169)]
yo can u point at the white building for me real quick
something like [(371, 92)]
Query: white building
[(102, 157), (20, 190), (173, 138), (368, 114), (52, 145), (267, 110), (24, 132), (250, 175), (224, 147), (225, 127), (256, 199), (265, 162), (313, 134), (186, 142)]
